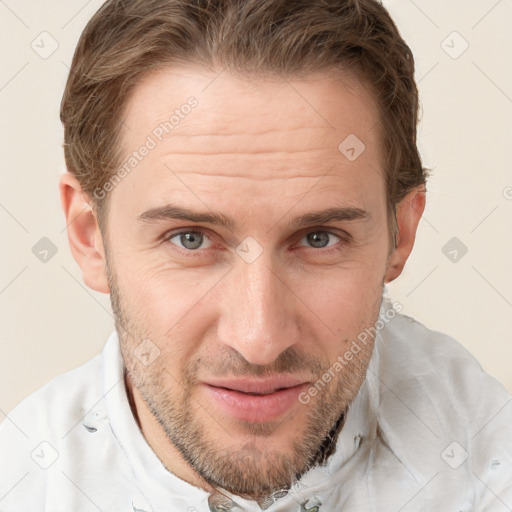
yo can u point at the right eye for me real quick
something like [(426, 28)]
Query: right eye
[(189, 240)]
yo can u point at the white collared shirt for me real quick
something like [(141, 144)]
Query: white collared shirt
[(428, 431)]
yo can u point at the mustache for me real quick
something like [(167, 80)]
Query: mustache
[(231, 362)]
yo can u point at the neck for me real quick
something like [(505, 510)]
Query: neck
[(157, 439), (328, 446), (174, 462)]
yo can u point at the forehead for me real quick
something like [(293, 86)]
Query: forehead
[(226, 104), (209, 130)]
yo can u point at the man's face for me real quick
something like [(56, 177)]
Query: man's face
[(243, 316)]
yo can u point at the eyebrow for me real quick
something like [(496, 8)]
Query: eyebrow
[(170, 212), (348, 213)]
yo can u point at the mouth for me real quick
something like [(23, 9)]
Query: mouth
[(255, 400)]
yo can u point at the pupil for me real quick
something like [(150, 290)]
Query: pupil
[(192, 240), (318, 239)]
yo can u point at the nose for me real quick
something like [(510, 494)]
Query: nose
[(258, 317)]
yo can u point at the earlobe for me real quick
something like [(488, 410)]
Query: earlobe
[(84, 234), (408, 215)]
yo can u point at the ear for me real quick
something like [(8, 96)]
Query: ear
[(408, 215), (84, 234)]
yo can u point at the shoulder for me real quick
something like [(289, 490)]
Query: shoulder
[(53, 406), (42, 435), (410, 352), (407, 337), (440, 410), (431, 367)]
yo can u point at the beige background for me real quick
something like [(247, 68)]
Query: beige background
[(50, 322)]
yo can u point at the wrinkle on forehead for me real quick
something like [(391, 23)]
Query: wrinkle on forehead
[(277, 141), (309, 114)]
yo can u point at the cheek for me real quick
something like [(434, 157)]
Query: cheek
[(165, 295), (342, 305), (170, 307)]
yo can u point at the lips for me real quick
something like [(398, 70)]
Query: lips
[(253, 400), (261, 387)]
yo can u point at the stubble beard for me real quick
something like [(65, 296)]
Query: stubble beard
[(242, 469)]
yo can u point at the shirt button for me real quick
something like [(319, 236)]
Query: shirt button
[(140, 504), (311, 505), (219, 503), (95, 419)]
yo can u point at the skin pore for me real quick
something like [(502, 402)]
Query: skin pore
[(215, 261)]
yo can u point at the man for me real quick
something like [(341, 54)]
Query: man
[(243, 179)]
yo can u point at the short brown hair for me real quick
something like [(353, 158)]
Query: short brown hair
[(126, 39)]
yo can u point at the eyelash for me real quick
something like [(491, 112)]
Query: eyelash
[(191, 253)]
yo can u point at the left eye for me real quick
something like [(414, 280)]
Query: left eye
[(191, 240), (321, 239)]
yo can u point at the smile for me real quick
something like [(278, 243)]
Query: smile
[(255, 401)]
